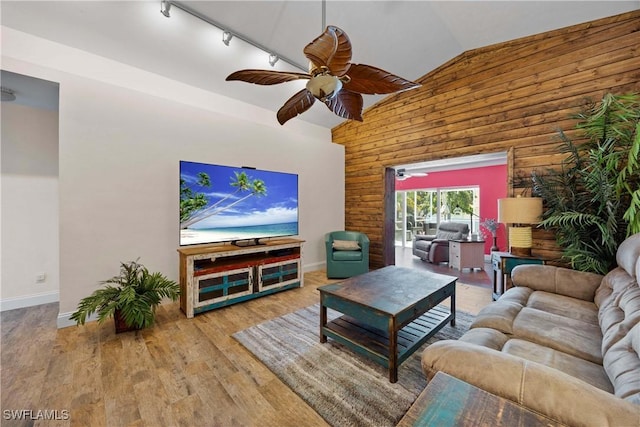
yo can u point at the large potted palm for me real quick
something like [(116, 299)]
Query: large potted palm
[(592, 201), (130, 298)]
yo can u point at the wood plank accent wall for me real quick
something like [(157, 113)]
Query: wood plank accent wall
[(509, 96)]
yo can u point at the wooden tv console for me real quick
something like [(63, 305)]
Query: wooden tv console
[(214, 276)]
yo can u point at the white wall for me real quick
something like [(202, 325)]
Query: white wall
[(29, 206), (122, 133)]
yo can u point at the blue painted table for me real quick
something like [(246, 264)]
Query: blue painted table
[(450, 402), (387, 313)]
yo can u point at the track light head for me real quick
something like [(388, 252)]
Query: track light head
[(226, 37), (165, 7), (273, 58)]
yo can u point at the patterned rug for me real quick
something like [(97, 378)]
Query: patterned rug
[(343, 387)]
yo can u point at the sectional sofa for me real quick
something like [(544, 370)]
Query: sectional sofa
[(561, 343)]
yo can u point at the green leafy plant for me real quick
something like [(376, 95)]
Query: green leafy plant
[(592, 202), (134, 293)]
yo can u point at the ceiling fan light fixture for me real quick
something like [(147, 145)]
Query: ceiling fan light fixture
[(7, 95), (226, 37), (273, 58), (324, 86), (165, 8)]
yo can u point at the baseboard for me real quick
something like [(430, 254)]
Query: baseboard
[(314, 267), (64, 319), (29, 300)]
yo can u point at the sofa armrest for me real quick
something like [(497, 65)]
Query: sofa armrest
[(557, 280), (441, 241), (427, 237), (539, 388)]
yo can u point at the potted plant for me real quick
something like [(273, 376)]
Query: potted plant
[(491, 224), (592, 201), (131, 298)]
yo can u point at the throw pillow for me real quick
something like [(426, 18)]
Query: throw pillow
[(346, 245)]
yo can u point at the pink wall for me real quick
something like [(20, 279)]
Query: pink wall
[(492, 181)]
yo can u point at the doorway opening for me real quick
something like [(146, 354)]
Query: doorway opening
[(419, 196)]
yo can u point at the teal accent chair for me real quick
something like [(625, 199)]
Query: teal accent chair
[(346, 262)]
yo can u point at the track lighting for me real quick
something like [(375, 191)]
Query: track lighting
[(228, 33), (7, 94), (165, 7), (226, 37)]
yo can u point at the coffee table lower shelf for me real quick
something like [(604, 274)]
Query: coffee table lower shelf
[(373, 343)]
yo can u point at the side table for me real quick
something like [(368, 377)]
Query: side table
[(448, 401), (502, 263), (466, 254)]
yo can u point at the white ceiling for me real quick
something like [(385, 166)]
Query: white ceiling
[(407, 38)]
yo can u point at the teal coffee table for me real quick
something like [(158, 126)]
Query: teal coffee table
[(387, 313)]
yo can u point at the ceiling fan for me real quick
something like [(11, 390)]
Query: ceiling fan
[(333, 79), (402, 174)]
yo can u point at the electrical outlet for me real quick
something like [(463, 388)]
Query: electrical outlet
[(41, 277)]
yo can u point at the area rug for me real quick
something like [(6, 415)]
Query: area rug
[(343, 387)]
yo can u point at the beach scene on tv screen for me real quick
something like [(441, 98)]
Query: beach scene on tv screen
[(223, 203)]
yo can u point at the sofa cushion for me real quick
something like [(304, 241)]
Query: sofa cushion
[(561, 281), (345, 245), (572, 308), (448, 235), (499, 316), (589, 372), (570, 336), (485, 337)]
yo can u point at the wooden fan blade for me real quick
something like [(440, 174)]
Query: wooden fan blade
[(371, 80), (331, 49), (266, 77), (297, 104), (346, 104)]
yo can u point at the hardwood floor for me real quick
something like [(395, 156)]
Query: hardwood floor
[(181, 372)]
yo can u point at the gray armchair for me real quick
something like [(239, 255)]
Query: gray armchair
[(347, 254), (435, 247)]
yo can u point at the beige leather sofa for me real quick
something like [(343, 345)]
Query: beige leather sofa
[(562, 343)]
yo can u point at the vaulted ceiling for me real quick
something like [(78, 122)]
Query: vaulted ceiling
[(407, 38)]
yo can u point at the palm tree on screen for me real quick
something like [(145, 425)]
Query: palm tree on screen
[(242, 183)]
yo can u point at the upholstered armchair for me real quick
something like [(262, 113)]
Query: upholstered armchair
[(435, 247), (347, 254)]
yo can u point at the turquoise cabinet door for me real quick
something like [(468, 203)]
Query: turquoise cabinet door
[(510, 263)]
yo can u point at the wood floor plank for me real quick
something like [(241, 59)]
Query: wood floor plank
[(180, 372)]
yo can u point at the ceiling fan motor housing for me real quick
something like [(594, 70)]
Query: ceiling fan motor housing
[(324, 86)]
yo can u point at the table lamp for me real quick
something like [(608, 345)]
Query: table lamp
[(520, 212)]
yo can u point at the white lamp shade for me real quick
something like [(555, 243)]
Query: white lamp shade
[(520, 210), (324, 86)]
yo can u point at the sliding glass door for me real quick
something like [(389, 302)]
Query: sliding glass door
[(420, 211)]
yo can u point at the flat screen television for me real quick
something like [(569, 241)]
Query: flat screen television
[(235, 204)]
